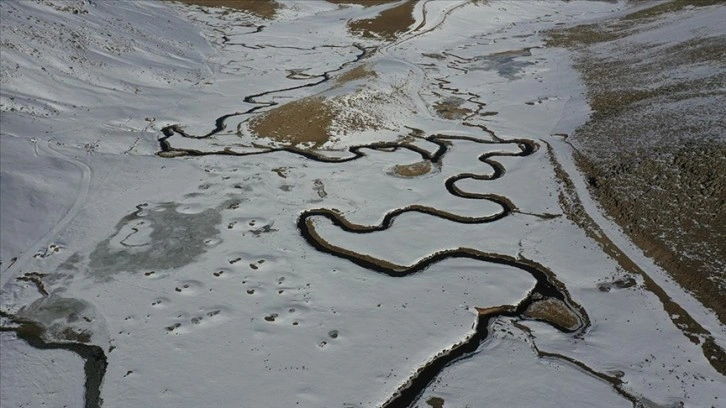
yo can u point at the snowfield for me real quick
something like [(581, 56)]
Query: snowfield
[(158, 249)]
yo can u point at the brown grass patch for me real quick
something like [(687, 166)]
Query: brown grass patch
[(266, 9), (306, 120), (581, 35), (413, 169), (360, 72), (451, 109), (610, 101), (553, 311), (388, 24), (671, 6), (312, 120), (365, 3)]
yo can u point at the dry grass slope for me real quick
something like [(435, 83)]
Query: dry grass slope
[(357, 73), (266, 9), (654, 149)]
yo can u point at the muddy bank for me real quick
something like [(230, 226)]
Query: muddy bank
[(654, 150)]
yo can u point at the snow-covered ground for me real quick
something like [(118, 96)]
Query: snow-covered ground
[(246, 273)]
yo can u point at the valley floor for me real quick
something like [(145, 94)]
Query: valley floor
[(359, 204)]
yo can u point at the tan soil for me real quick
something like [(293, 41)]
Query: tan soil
[(315, 120), (553, 311), (266, 9), (355, 74), (303, 121), (388, 24), (412, 170)]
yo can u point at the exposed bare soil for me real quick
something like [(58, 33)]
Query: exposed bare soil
[(574, 210), (266, 9), (388, 24), (306, 120), (412, 170), (355, 74)]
